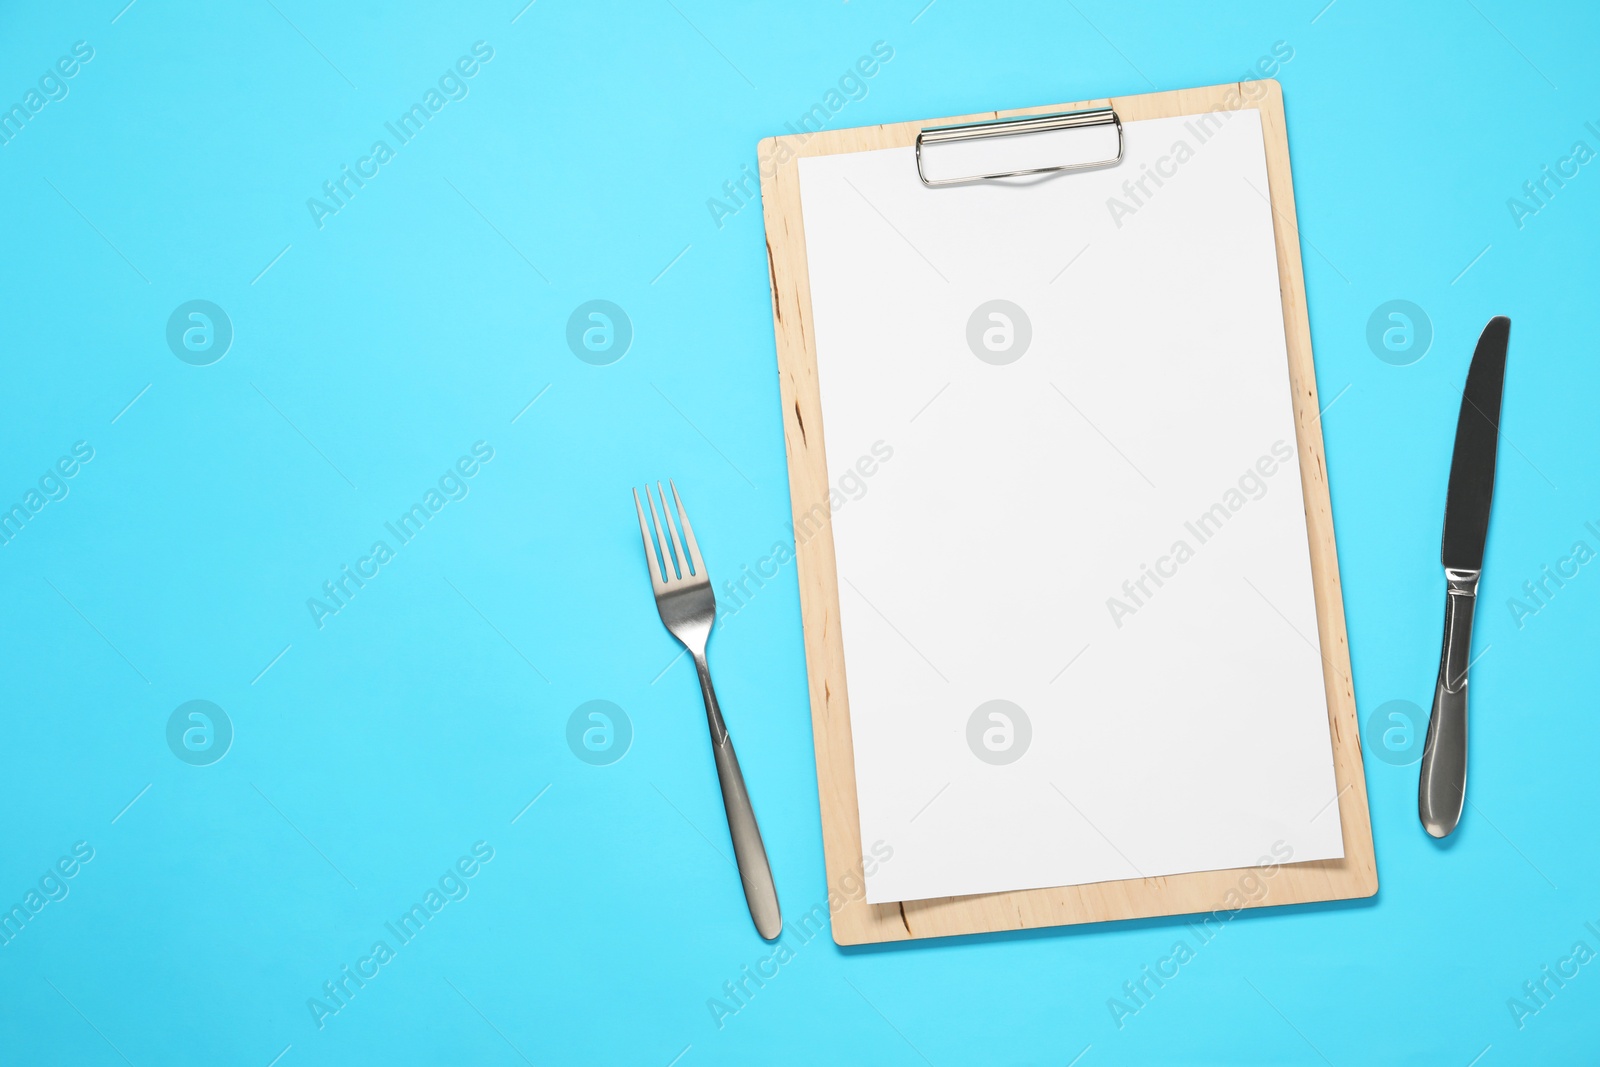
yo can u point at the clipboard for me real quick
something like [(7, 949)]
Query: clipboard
[(854, 920)]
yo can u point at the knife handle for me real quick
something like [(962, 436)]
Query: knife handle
[(1442, 786)]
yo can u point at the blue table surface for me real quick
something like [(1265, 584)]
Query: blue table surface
[(190, 475)]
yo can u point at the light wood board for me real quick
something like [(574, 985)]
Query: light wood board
[(858, 922)]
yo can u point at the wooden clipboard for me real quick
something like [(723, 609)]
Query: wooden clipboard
[(857, 922)]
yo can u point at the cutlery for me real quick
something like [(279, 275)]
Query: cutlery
[(1442, 785), (688, 608)]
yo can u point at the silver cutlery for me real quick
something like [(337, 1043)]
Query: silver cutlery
[(1442, 785), (688, 608)]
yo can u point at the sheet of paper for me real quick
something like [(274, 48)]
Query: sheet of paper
[(1075, 588)]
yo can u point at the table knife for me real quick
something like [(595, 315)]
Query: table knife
[(1442, 787)]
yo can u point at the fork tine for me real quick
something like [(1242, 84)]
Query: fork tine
[(649, 547), (677, 546), (669, 562), (688, 532)]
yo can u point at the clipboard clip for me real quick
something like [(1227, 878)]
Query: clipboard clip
[(1029, 127)]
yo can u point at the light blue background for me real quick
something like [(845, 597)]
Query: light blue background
[(427, 714)]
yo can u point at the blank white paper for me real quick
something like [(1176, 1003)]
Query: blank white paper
[(1082, 502)]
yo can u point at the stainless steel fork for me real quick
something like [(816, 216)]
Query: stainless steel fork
[(688, 608)]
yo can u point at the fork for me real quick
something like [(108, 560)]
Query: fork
[(688, 607)]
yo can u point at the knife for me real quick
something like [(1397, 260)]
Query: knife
[(1442, 787)]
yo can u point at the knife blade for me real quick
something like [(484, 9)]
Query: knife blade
[(1442, 784)]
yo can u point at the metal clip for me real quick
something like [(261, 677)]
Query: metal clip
[(1032, 124)]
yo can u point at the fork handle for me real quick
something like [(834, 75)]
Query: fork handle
[(759, 891)]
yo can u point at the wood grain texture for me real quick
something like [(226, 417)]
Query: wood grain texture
[(858, 922)]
